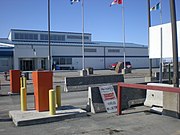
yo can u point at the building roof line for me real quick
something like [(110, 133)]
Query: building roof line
[(47, 31)]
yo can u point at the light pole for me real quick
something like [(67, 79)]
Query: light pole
[(49, 38), (124, 45), (149, 25), (174, 44), (83, 60), (161, 46)]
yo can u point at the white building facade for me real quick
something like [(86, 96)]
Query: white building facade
[(30, 51), (166, 38)]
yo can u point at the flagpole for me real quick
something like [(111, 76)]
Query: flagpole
[(149, 25), (83, 61), (161, 47), (123, 25), (49, 38)]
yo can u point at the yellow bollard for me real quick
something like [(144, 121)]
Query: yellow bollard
[(52, 102), (21, 82), (58, 96), (24, 82), (23, 99)]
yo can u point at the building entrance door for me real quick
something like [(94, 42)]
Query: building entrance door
[(27, 64)]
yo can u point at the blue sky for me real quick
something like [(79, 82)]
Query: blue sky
[(103, 21)]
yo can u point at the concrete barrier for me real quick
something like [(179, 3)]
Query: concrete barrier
[(171, 97), (81, 83), (129, 97), (155, 98)]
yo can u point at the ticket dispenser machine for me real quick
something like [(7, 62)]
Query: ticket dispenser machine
[(43, 82), (14, 76)]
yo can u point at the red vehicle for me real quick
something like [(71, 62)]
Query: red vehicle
[(128, 65)]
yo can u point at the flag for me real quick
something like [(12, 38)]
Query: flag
[(74, 1), (116, 2), (156, 7)]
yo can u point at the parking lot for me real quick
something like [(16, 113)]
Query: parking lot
[(136, 120)]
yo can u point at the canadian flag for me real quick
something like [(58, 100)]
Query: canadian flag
[(116, 2)]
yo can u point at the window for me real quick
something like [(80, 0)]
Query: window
[(65, 61), (26, 36), (53, 37), (77, 37), (4, 62), (56, 61), (114, 50), (58, 37), (43, 37), (89, 50)]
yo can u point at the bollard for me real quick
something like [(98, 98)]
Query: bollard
[(0, 87), (52, 102), (169, 75), (23, 99), (119, 108), (58, 96), (23, 82)]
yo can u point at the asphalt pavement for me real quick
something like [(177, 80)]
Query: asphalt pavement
[(136, 120)]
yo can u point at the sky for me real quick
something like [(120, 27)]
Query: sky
[(103, 21)]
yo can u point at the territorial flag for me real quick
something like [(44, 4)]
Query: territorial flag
[(116, 2), (156, 7), (74, 1)]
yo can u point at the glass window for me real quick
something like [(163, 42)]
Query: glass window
[(62, 61), (114, 50), (28, 36), (43, 37), (53, 37), (4, 62), (56, 61), (89, 50), (69, 61), (76, 37), (65, 61)]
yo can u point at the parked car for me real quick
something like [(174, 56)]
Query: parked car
[(113, 66), (128, 65)]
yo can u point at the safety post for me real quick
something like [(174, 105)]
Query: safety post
[(23, 99), (52, 102), (0, 87), (23, 82), (119, 108), (58, 96)]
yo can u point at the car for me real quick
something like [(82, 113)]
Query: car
[(128, 65), (113, 66)]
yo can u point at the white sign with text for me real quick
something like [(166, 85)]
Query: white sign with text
[(109, 98)]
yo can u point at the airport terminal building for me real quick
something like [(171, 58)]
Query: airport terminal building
[(28, 50)]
